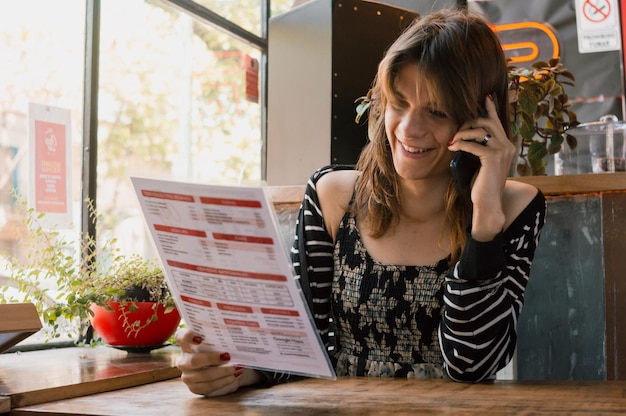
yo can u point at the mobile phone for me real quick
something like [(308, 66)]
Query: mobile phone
[(465, 165)]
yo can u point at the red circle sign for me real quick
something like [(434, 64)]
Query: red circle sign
[(596, 10)]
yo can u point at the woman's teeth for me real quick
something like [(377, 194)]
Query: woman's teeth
[(413, 149)]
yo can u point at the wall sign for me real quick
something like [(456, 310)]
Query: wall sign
[(598, 25)]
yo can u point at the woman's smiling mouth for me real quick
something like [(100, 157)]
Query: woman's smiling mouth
[(411, 149)]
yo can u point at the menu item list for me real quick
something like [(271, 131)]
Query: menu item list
[(231, 277)]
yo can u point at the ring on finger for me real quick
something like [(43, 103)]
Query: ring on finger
[(486, 139)]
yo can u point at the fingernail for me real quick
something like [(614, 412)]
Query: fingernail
[(238, 373), (490, 97), (238, 367), (197, 339), (451, 141), (225, 356)]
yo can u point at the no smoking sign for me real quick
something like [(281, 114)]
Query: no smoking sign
[(598, 27), (596, 11)]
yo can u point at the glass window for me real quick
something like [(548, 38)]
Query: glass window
[(281, 6), (177, 99), (247, 13), (41, 50)]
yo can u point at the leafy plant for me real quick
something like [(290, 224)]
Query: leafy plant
[(132, 279), (540, 113), (64, 278)]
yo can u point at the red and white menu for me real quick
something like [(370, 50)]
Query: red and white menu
[(230, 274)]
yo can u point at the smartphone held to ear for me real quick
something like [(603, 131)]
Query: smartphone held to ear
[(464, 166)]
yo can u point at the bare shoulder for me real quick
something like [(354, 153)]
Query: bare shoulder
[(517, 196), (334, 191)]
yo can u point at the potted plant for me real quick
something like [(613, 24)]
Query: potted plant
[(540, 112), (73, 281), (132, 306)]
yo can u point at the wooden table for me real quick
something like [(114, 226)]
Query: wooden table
[(42, 376), (355, 396)]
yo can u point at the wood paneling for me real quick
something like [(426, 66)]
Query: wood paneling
[(614, 242)]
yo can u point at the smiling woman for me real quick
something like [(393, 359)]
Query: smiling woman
[(405, 277)]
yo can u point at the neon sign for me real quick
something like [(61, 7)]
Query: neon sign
[(526, 41)]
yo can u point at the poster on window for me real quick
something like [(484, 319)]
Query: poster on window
[(50, 164), (252, 79)]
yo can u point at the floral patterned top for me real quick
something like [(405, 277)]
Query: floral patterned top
[(386, 317)]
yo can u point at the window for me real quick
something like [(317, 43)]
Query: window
[(178, 97), (173, 102), (247, 13), (41, 49)]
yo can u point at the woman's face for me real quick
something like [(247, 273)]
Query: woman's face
[(418, 132)]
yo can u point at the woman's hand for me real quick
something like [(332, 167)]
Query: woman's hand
[(496, 154), (210, 373)]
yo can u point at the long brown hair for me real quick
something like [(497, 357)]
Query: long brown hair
[(462, 61)]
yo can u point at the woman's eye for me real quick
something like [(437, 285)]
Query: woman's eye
[(438, 114), (398, 105)]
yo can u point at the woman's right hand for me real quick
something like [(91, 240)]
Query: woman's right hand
[(210, 373)]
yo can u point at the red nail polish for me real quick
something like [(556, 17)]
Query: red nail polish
[(238, 373), (238, 367), (197, 339), (490, 97), (451, 141), (225, 356)]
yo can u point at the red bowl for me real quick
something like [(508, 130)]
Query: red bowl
[(108, 324)]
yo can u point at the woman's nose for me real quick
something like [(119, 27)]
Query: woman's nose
[(412, 124)]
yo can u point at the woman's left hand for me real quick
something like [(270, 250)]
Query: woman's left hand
[(485, 137)]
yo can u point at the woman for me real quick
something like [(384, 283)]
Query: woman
[(411, 278)]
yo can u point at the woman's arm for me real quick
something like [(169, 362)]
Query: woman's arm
[(312, 258), (484, 295)]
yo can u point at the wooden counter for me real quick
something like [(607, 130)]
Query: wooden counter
[(355, 396), (577, 184), (289, 196)]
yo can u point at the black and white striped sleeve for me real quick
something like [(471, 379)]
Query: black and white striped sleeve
[(312, 257), (484, 295)]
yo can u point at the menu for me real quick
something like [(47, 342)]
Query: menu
[(231, 276)]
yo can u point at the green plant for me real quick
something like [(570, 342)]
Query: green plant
[(64, 277), (131, 279), (541, 113)]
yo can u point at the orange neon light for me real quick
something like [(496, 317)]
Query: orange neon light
[(529, 45), (534, 51)]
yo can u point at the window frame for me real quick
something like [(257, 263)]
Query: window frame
[(91, 95), (91, 87)]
